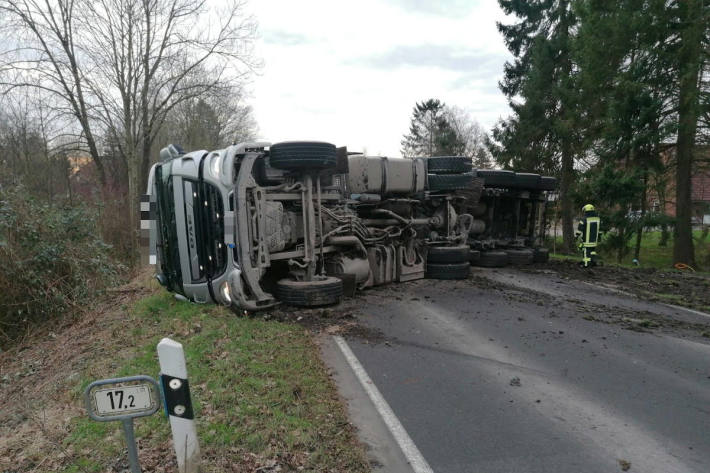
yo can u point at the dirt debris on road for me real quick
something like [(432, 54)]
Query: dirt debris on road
[(336, 320), (684, 288)]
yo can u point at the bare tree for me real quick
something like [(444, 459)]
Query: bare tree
[(213, 121), (32, 138), (123, 66), (471, 138), (41, 52)]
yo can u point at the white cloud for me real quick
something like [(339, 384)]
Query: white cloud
[(350, 72)]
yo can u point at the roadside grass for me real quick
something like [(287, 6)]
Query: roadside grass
[(262, 395), (651, 255)]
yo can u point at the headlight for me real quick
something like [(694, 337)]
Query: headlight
[(226, 293)]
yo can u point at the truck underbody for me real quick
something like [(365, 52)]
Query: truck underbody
[(304, 223)]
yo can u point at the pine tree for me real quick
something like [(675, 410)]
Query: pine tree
[(623, 89), (539, 83), (429, 132), (639, 63), (694, 18)]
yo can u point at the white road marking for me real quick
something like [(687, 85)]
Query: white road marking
[(672, 306), (410, 450)]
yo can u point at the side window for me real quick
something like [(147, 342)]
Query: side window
[(204, 213)]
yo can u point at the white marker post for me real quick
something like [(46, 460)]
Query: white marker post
[(176, 391)]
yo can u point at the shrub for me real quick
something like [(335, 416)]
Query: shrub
[(51, 260)]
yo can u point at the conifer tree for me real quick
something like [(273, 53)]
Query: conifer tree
[(540, 86), (429, 132)]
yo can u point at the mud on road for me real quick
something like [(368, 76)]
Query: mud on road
[(648, 286), (684, 288)]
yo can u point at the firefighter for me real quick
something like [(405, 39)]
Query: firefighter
[(588, 230)]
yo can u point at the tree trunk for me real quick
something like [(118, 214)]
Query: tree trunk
[(145, 161), (639, 225), (567, 117), (566, 181), (689, 58), (622, 245), (134, 198)]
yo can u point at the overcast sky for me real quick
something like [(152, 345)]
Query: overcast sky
[(349, 72)]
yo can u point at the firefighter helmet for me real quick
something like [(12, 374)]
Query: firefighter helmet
[(588, 208)]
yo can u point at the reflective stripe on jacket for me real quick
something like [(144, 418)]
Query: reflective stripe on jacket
[(590, 231)]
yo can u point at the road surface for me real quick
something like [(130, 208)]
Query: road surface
[(516, 371)]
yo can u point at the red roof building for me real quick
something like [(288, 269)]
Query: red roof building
[(663, 199)]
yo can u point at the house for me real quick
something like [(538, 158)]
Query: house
[(662, 194)]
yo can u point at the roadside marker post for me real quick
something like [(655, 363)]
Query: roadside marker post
[(123, 399), (178, 405)]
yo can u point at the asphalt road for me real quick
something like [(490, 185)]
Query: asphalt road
[(517, 372)]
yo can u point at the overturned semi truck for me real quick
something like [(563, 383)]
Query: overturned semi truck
[(305, 223)]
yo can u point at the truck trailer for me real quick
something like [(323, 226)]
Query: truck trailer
[(305, 223)]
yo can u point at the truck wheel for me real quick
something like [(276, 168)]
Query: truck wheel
[(520, 257), (450, 182), (493, 259), (326, 291), (474, 256), (496, 177), (547, 183), (541, 255), (448, 254), (302, 155), (447, 271), (449, 164), (526, 180)]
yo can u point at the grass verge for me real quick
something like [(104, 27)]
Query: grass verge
[(651, 255), (263, 397)]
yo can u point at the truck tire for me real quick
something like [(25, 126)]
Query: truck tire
[(547, 183), (448, 254), (447, 271), (450, 182), (449, 164), (496, 177), (474, 256), (493, 259), (520, 256), (541, 255), (326, 291), (302, 155), (526, 180)]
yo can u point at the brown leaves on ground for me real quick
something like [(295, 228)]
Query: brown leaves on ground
[(36, 377)]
